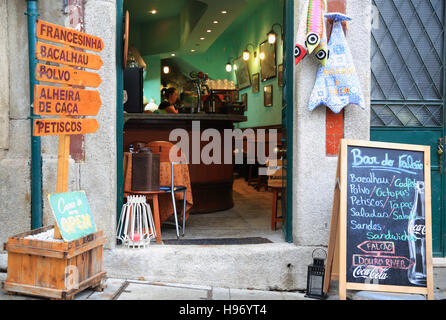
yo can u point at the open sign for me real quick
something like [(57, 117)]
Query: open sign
[(72, 214)]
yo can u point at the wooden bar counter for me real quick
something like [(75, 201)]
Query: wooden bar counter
[(211, 184)]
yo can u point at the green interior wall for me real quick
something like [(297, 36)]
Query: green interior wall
[(152, 78), (252, 28), (172, 25), (247, 29)]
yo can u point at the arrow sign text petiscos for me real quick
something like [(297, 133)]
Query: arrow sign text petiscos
[(62, 101), (56, 54), (68, 76), (67, 36), (49, 127)]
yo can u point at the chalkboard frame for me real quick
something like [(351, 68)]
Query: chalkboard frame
[(337, 247)]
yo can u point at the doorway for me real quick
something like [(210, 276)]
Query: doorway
[(285, 119), (408, 88)]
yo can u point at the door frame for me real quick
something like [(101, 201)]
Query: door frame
[(119, 109), (289, 113)]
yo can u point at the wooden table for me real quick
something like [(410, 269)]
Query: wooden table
[(156, 213)]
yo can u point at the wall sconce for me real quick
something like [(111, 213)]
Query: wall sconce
[(229, 65), (272, 36), (246, 54)]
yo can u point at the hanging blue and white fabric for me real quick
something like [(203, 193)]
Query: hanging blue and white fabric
[(337, 84)]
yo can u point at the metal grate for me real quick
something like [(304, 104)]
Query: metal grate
[(408, 63)]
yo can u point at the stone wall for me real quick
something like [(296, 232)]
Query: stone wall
[(97, 174), (313, 171)]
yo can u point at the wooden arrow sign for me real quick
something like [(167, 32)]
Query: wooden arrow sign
[(67, 76), (56, 54), (68, 36), (65, 101), (51, 127)]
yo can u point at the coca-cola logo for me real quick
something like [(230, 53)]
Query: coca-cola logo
[(370, 272), (418, 230)]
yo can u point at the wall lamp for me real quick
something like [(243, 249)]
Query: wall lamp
[(246, 54), (272, 36), (229, 65)]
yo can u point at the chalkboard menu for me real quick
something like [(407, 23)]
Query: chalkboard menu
[(380, 233), (385, 217)]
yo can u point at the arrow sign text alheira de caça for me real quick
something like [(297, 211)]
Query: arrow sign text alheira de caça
[(68, 36), (56, 54), (51, 127), (65, 101), (67, 76)]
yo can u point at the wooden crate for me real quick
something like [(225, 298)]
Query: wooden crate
[(45, 268)]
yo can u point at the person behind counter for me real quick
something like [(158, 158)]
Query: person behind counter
[(167, 106)]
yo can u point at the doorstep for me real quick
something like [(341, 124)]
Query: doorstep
[(270, 266)]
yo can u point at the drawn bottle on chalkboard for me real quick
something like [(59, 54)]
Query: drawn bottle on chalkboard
[(417, 238)]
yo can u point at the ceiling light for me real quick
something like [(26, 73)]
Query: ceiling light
[(224, 11), (202, 38), (262, 55), (215, 22), (173, 54), (166, 69), (153, 11), (192, 50), (208, 30), (228, 67)]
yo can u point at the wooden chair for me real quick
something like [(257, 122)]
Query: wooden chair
[(275, 184), (163, 148)]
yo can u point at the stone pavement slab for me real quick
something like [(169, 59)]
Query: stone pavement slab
[(111, 290), (147, 291), (121, 289)]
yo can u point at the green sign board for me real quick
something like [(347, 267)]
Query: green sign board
[(72, 214)]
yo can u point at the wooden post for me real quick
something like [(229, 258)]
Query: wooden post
[(333, 237), (63, 155), (334, 122)]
